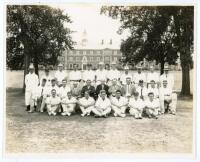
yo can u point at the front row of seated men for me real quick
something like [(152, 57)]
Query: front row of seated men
[(139, 101)]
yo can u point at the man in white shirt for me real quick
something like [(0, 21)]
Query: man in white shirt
[(168, 77), (153, 88), (139, 76), (125, 75), (31, 83), (103, 106), (152, 106), (53, 103), (86, 104), (100, 74), (168, 99), (152, 75), (42, 92), (53, 86), (142, 90), (113, 73), (46, 76), (136, 105), (60, 74), (119, 104), (89, 74), (75, 75), (64, 89), (68, 104)]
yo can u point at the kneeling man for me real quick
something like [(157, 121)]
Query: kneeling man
[(53, 103), (68, 104), (86, 104), (152, 106), (136, 105), (119, 104), (103, 106)]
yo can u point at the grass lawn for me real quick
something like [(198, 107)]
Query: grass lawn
[(39, 133)]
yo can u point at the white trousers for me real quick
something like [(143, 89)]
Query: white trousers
[(52, 108), (86, 110), (120, 110), (135, 112), (101, 112), (30, 98), (153, 112), (170, 101), (68, 108)]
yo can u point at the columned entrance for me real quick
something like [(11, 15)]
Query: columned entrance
[(84, 63)]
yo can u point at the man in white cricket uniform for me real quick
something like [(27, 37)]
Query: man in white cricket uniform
[(60, 74), (75, 75), (168, 77), (46, 76), (119, 104), (113, 73), (152, 106), (53, 86), (125, 75), (31, 83), (101, 74), (143, 93), (152, 75), (53, 103), (86, 104), (153, 88), (102, 106), (68, 104), (64, 89), (89, 74), (42, 92), (168, 99), (136, 105), (139, 76)]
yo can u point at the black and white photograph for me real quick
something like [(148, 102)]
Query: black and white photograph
[(92, 78)]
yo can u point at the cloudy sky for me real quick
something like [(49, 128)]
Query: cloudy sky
[(87, 17)]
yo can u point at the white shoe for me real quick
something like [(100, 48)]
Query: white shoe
[(115, 114), (54, 114), (82, 115), (69, 114), (123, 115), (63, 114)]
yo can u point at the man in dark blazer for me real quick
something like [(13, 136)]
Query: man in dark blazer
[(88, 87), (128, 89), (102, 86)]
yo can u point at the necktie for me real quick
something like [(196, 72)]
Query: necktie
[(141, 92), (42, 92)]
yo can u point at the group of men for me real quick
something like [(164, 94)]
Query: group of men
[(101, 92)]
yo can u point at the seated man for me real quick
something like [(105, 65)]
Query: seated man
[(114, 87), (152, 106), (42, 92), (53, 103), (68, 104), (86, 104), (119, 104), (128, 89), (103, 106), (76, 90), (88, 87), (64, 89), (102, 86), (136, 106), (168, 99)]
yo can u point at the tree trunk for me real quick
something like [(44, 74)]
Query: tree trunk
[(26, 66), (162, 64), (36, 65), (185, 90)]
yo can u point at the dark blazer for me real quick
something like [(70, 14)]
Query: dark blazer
[(99, 88), (91, 90)]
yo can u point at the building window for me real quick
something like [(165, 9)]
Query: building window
[(115, 59), (71, 52), (71, 66), (107, 58), (77, 58), (115, 52), (98, 59), (91, 58), (70, 58), (77, 52), (98, 52), (84, 52), (91, 52)]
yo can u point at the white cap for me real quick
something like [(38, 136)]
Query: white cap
[(61, 65), (166, 67), (139, 67), (31, 66), (101, 63), (113, 63)]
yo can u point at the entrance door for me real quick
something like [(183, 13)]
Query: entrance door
[(84, 66)]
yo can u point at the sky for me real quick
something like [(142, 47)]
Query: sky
[(87, 17)]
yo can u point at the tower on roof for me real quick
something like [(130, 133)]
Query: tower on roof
[(84, 39)]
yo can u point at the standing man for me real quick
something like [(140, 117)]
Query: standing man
[(75, 75), (113, 73), (139, 75), (103, 106), (152, 75), (64, 89), (142, 90), (89, 74), (153, 88), (60, 75), (168, 99), (101, 74), (88, 87), (46, 76), (128, 89), (168, 77), (31, 83), (119, 104), (53, 103), (86, 104), (68, 104), (136, 105), (152, 106), (125, 75)]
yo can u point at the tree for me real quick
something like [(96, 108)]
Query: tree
[(155, 35), (36, 34)]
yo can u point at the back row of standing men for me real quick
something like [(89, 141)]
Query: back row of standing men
[(112, 82)]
